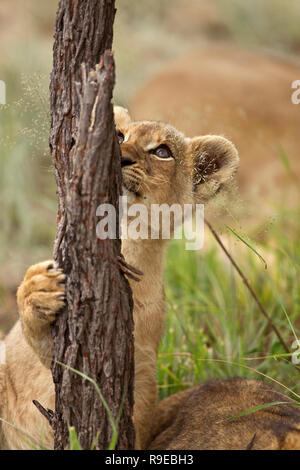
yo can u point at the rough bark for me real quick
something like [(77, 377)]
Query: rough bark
[(95, 334), (83, 31)]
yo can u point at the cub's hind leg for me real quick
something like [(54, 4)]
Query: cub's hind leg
[(41, 297)]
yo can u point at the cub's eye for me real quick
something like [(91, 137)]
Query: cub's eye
[(121, 138), (162, 151)]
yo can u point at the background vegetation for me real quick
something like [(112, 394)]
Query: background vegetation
[(212, 316)]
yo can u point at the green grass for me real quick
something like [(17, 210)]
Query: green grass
[(212, 316), (23, 141), (27, 186)]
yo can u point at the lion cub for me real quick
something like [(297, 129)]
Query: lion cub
[(159, 165), (199, 418)]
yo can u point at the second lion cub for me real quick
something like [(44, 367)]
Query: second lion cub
[(159, 165)]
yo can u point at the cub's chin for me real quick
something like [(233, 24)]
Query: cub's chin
[(131, 188), (131, 195)]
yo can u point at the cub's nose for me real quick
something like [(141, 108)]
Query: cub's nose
[(126, 161)]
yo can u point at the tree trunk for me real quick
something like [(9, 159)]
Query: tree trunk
[(95, 334)]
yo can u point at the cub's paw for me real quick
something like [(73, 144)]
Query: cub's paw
[(42, 294)]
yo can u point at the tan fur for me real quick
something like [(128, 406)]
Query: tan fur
[(199, 168), (197, 418)]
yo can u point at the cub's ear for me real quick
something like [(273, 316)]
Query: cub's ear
[(215, 161), (122, 117)]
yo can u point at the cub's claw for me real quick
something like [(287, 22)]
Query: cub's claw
[(41, 297), (42, 294)]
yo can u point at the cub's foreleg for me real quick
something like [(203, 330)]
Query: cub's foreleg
[(145, 394), (41, 297)]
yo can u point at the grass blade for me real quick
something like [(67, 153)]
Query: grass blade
[(248, 245), (74, 442), (114, 438), (258, 408), (32, 440)]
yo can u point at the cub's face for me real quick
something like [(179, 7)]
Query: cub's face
[(160, 165)]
